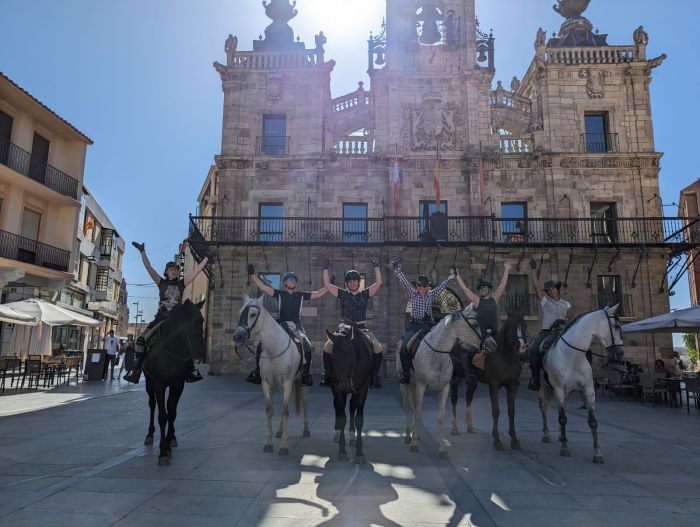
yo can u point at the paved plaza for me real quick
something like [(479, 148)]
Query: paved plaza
[(75, 456)]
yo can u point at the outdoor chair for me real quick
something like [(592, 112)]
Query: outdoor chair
[(692, 390), (622, 385), (3, 374), (13, 369), (32, 369), (651, 388)]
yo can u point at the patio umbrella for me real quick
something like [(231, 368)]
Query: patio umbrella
[(19, 342), (51, 314), (12, 316), (680, 321)]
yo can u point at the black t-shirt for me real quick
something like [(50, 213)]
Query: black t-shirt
[(290, 304), (487, 314), (353, 307)]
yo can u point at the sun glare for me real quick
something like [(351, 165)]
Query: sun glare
[(340, 19)]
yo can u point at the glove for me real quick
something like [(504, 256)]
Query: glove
[(454, 271), (251, 269), (211, 257), (533, 264), (140, 246), (375, 262), (396, 262), (326, 264)]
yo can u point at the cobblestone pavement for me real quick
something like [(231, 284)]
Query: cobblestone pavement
[(75, 456)]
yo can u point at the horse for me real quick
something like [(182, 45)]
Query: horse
[(432, 369), (171, 348), (502, 368), (280, 366), (352, 366), (565, 369)]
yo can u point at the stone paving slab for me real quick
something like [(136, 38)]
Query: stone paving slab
[(80, 460)]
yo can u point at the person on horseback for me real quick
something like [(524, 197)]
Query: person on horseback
[(170, 293), (555, 310), (290, 303), (353, 310), (421, 298), (486, 302)]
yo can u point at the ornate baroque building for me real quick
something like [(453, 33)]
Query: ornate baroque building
[(560, 168)]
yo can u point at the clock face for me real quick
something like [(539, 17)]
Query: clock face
[(432, 58)]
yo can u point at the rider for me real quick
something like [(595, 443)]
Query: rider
[(290, 302), (353, 309), (554, 308), (421, 311), (170, 292), (486, 302)]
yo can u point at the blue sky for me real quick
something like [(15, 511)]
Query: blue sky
[(136, 76)]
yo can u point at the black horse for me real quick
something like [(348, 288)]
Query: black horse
[(171, 349), (352, 366), (502, 369)]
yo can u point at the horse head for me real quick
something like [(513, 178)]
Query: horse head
[(249, 320), (345, 341), (609, 332), (466, 328), (512, 336)]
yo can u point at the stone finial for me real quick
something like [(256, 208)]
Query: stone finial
[(540, 38), (230, 49), (571, 8), (514, 84), (320, 40), (278, 35), (641, 39)]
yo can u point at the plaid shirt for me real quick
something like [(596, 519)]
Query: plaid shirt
[(421, 305)]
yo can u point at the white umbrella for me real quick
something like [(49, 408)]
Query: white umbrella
[(19, 342), (51, 314), (680, 321), (12, 316)]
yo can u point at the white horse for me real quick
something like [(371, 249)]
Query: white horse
[(432, 369), (565, 369), (280, 365)]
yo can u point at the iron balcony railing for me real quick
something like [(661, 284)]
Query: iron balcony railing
[(272, 145), (600, 143), (36, 168), (31, 251), (680, 233)]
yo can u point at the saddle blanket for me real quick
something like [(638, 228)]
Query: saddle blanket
[(479, 360)]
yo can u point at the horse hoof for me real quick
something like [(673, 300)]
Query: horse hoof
[(413, 449), (498, 445), (163, 461), (407, 440), (598, 460), (471, 431), (515, 445), (307, 433), (278, 435), (546, 439), (360, 460), (267, 449), (173, 443), (284, 451), (343, 458), (564, 452), (352, 442), (442, 454), (148, 441), (455, 432)]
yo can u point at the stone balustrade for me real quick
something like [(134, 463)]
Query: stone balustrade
[(584, 56), (275, 60)]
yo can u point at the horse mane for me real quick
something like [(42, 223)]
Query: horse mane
[(508, 334)]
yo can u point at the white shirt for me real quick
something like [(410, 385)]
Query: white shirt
[(553, 310), (112, 345)]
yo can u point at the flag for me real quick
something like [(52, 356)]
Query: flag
[(395, 180), (89, 224), (436, 178)]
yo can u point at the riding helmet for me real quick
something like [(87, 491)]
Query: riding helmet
[(352, 274), (289, 275), (421, 279), (484, 283)]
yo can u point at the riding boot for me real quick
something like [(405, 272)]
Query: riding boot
[(375, 381), (254, 376), (327, 370), (194, 375), (306, 379), (405, 366), (134, 375)]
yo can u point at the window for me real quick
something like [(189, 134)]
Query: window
[(106, 241), (355, 222), (603, 225), (433, 228), (102, 279), (39, 159), (84, 271), (274, 281), (271, 222), (5, 136), (609, 293), (274, 135), (31, 221), (513, 222), (517, 297), (596, 136)]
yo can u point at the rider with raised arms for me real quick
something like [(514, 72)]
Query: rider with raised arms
[(353, 310), (290, 303), (170, 292), (421, 299)]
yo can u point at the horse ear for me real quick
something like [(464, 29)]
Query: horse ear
[(259, 300), (612, 310), (246, 299), (200, 304), (330, 335)]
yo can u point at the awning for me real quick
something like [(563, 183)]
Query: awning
[(680, 321), (8, 314), (51, 314)]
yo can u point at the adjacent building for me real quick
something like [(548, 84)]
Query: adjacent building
[(433, 163)]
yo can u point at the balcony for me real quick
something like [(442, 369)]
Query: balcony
[(272, 145), (600, 143), (28, 165), (32, 252), (676, 233)]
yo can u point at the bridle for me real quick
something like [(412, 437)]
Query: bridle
[(473, 326), (250, 329), (608, 349)]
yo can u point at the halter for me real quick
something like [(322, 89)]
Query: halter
[(467, 320), (249, 330), (607, 349)]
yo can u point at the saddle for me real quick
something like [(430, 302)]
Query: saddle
[(294, 334), (415, 340), (558, 327)]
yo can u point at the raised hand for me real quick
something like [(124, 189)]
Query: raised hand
[(375, 262), (211, 257), (326, 264), (251, 269), (396, 262), (533, 264), (454, 271), (139, 246)]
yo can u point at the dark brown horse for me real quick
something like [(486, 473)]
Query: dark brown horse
[(502, 369)]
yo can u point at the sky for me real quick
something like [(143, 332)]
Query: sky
[(136, 77)]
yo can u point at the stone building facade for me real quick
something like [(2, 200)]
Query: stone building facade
[(558, 169)]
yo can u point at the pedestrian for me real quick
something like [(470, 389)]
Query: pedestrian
[(112, 348), (128, 350)]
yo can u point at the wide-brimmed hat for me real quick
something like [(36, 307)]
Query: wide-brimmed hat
[(168, 266), (421, 279), (551, 284), (484, 283)]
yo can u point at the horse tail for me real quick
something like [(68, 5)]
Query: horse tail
[(298, 396)]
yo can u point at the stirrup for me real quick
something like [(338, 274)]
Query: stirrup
[(307, 379), (254, 377), (405, 378), (375, 381), (133, 377), (325, 381), (194, 376)]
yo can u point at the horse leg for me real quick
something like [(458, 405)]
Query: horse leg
[(152, 407), (174, 394), (407, 397), (495, 413), (593, 423), (269, 411), (511, 391), (351, 425), (305, 403), (564, 450), (442, 444), (286, 393), (359, 405), (340, 420), (543, 409), (163, 459), (471, 388), (454, 397), (418, 411)]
